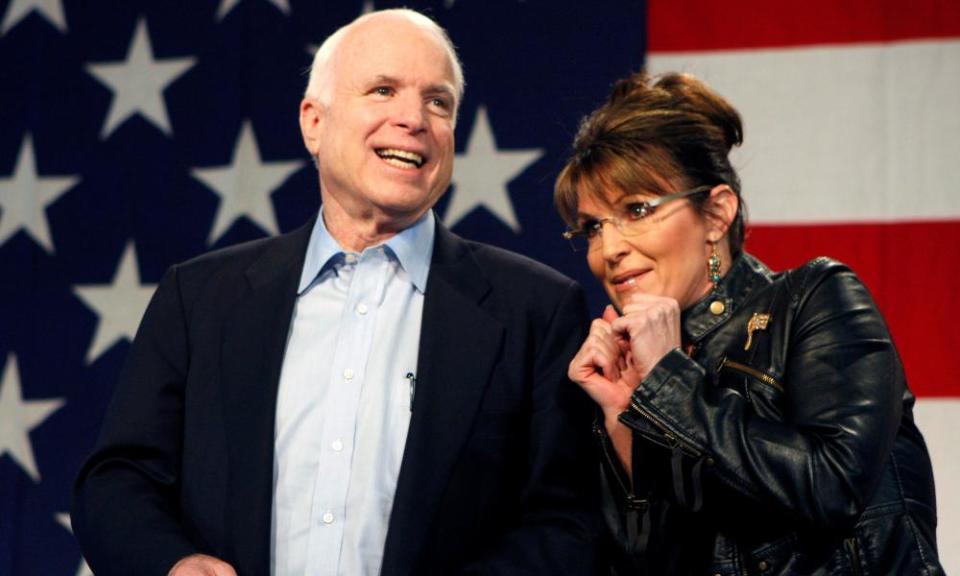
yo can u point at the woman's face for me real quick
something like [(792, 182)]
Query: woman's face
[(666, 255)]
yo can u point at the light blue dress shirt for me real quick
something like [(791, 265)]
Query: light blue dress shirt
[(343, 406)]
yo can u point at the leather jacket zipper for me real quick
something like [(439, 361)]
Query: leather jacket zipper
[(854, 552), (673, 441), (750, 371), (632, 501)]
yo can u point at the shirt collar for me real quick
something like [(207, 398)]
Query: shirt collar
[(413, 248)]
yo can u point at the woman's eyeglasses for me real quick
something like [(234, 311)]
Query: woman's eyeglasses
[(634, 220)]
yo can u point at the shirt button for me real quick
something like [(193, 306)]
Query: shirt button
[(350, 258), (348, 374), (717, 307), (361, 309), (328, 517), (337, 445), (762, 565)]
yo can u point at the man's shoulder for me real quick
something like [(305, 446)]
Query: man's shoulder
[(521, 286), (502, 265), (527, 296), (239, 254), (231, 262)]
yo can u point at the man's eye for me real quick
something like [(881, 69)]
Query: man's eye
[(441, 106), (638, 210), (383, 91)]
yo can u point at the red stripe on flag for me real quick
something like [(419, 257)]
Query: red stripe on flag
[(694, 25), (913, 273)]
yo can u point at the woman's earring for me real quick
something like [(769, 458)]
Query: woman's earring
[(713, 266)]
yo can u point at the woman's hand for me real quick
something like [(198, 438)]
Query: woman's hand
[(651, 325), (618, 354), (603, 367), (201, 565)]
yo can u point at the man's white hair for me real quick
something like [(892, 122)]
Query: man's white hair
[(321, 72)]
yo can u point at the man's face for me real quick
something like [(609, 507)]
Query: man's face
[(384, 140)]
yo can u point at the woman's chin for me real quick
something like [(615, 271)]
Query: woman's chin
[(619, 295)]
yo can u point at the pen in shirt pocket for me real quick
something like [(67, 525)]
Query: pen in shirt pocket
[(412, 379)]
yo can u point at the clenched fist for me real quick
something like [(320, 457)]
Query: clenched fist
[(201, 565)]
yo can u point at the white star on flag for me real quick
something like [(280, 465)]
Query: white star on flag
[(51, 10), (18, 417), (245, 185), (64, 520), (120, 304), (227, 5), (481, 175), (139, 82), (25, 196)]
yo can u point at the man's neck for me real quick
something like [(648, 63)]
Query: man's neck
[(356, 231)]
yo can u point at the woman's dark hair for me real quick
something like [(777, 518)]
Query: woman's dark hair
[(658, 138)]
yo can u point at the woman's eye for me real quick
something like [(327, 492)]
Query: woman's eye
[(638, 210), (590, 228)]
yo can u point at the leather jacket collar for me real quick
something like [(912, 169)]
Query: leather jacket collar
[(746, 274)]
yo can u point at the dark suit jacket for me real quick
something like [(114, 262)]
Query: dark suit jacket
[(498, 471)]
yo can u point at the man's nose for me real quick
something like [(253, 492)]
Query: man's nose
[(410, 114)]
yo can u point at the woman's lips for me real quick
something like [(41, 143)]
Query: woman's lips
[(628, 281)]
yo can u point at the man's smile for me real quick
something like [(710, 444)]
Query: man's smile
[(401, 158)]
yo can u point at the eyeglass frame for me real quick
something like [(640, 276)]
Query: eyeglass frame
[(649, 206)]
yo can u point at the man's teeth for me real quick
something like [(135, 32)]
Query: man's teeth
[(400, 158)]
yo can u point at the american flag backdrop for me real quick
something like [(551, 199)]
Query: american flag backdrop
[(135, 134)]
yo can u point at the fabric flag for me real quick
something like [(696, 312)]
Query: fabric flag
[(137, 133)]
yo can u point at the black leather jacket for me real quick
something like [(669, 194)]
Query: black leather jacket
[(784, 443)]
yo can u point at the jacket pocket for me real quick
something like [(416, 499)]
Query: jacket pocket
[(755, 374), (764, 392)]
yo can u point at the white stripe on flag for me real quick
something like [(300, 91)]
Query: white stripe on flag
[(846, 133), (937, 419)]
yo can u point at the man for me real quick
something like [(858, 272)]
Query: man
[(367, 395)]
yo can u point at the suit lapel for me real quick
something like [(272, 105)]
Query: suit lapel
[(253, 343), (459, 345)]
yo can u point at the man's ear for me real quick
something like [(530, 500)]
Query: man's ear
[(311, 117), (721, 210)]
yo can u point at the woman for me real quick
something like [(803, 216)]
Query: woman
[(753, 422)]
